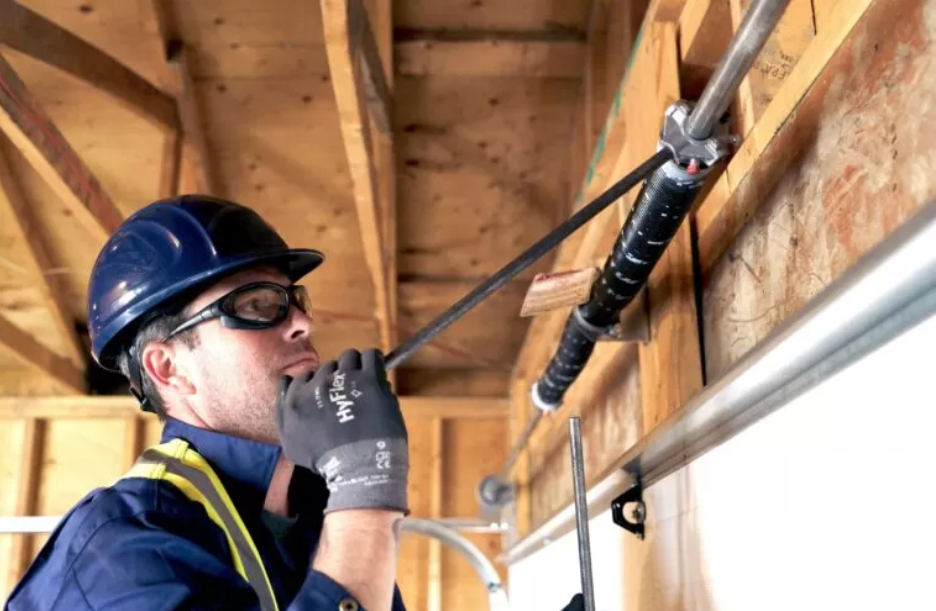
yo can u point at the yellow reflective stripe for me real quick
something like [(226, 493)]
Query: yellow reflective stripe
[(178, 451)]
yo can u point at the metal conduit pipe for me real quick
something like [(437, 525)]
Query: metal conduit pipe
[(697, 143), (480, 563)]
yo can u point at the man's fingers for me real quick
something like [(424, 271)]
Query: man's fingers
[(325, 371), (373, 360), (350, 360)]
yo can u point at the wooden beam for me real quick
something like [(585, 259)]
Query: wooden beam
[(704, 33), (27, 496), (341, 19), (766, 152), (197, 175), (375, 87), (775, 62), (38, 260), (382, 12), (436, 487), (26, 349), (34, 35), (33, 133), (490, 58), (119, 406), (170, 172)]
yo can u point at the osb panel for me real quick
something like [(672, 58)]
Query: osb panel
[(611, 423), (472, 449), (492, 14), (482, 170), (489, 336), (867, 166)]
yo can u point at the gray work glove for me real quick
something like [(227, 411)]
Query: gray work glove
[(345, 423)]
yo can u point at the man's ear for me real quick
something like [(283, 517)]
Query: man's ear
[(164, 367)]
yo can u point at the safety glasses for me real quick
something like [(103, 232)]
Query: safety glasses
[(260, 305)]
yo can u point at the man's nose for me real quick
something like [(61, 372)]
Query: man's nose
[(299, 325)]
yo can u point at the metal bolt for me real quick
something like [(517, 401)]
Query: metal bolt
[(639, 513)]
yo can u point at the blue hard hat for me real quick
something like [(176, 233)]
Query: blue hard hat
[(166, 253)]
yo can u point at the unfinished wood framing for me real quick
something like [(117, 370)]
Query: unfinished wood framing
[(38, 260), (61, 373), (763, 157), (41, 143), (775, 62), (34, 35), (345, 24), (27, 495), (192, 171)]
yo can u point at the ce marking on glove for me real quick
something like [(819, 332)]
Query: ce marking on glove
[(383, 456)]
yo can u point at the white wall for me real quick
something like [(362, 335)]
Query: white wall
[(547, 580), (829, 503)]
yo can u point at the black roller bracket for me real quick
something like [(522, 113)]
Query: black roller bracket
[(639, 513)]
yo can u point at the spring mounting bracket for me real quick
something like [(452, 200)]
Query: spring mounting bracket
[(634, 494)]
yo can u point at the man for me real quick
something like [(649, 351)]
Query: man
[(279, 483)]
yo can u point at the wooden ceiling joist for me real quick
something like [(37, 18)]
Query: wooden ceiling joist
[(44, 146), (375, 88), (34, 35), (345, 27), (38, 260), (64, 376), (101, 406), (193, 172)]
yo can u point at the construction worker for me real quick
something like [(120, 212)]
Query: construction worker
[(280, 483)]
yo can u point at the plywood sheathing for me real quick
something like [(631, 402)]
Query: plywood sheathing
[(856, 164)]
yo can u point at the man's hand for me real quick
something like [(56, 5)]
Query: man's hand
[(345, 423)]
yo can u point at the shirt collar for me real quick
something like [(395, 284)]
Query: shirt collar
[(245, 467)]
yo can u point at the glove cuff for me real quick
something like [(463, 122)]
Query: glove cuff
[(370, 474)]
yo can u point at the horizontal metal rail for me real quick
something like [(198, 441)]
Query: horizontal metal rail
[(891, 289)]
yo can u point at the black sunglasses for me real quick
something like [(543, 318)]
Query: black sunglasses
[(260, 305)]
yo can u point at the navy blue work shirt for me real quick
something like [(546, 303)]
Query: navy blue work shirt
[(143, 545)]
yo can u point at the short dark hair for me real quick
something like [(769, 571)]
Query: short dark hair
[(155, 330)]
